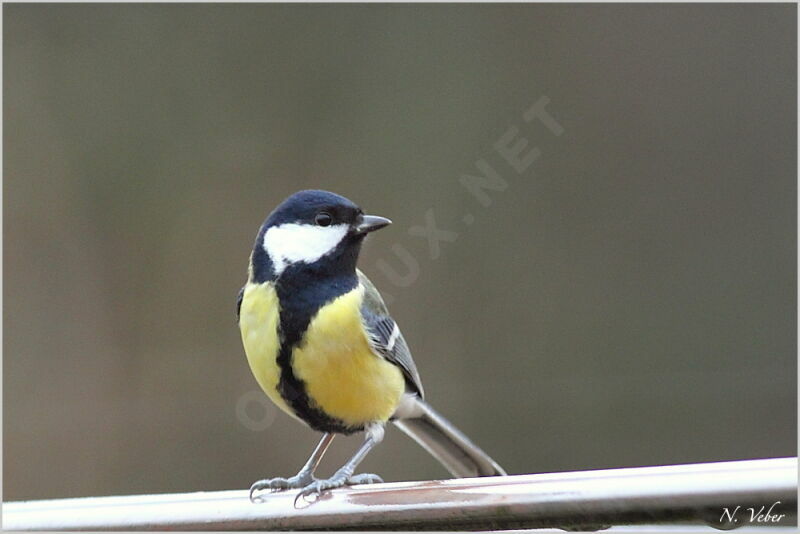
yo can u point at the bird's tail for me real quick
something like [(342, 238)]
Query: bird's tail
[(455, 451)]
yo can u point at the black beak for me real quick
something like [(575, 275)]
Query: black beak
[(370, 223)]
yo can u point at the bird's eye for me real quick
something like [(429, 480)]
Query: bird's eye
[(323, 219)]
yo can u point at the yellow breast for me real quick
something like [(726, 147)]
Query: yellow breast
[(258, 323), (342, 374)]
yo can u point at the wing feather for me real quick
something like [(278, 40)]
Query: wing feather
[(385, 337)]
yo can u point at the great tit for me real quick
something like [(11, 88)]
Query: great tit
[(323, 347)]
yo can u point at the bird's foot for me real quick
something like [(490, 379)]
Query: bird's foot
[(338, 480), (364, 478), (300, 480)]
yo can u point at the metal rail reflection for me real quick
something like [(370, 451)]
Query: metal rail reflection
[(585, 500)]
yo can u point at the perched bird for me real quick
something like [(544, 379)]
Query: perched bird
[(323, 347)]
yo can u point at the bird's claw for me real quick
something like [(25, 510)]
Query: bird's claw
[(279, 483), (364, 478), (317, 487), (310, 485)]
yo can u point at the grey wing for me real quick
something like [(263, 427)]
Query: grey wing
[(385, 336)]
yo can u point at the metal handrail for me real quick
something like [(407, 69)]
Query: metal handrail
[(585, 500)]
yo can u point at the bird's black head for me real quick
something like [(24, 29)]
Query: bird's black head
[(312, 230)]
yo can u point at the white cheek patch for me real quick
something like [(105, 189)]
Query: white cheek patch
[(291, 243)]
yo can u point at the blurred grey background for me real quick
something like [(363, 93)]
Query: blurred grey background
[(627, 300)]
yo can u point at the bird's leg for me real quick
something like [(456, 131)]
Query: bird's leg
[(302, 478), (344, 476)]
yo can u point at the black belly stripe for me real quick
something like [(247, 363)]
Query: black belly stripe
[(293, 391), (301, 294)]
